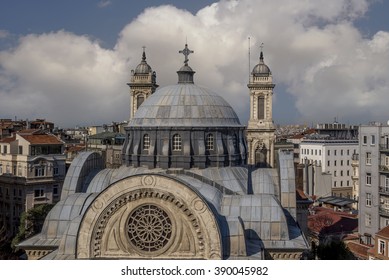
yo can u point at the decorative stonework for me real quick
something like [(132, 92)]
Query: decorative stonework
[(138, 221), (149, 228)]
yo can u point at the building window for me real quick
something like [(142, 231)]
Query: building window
[(386, 183), (367, 220), (139, 100), (373, 139), (261, 108), (39, 193), (20, 150), (19, 170), (368, 158), (5, 149), (368, 178), (348, 152), (146, 142), (364, 140), (348, 172), (328, 163), (334, 152), (334, 162), (55, 170), (348, 183), (209, 142), (368, 199), (55, 190), (387, 160), (341, 163), (348, 162), (335, 173), (319, 152), (177, 145), (329, 152), (341, 172), (341, 152), (334, 183), (39, 171), (381, 247)]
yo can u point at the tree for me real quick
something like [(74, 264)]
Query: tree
[(334, 250), (31, 223)]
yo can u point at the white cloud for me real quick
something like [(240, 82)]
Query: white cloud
[(312, 47), (104, 3)]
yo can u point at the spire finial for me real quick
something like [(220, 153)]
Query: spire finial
[(144, 53), (261, 55), (186, 52)]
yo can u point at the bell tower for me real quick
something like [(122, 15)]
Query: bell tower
[(142, 84), (260, 129)]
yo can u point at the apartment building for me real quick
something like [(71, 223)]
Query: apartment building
[(32, 170), (373, 180), (334, 156)]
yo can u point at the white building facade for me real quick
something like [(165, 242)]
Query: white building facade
[(335, 158), (373, 180)]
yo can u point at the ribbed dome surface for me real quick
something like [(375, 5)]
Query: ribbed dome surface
[(143, 68), (185, 105), (261, 69)]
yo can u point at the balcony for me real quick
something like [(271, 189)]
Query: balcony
[(384, 211), (384, 190), (384, 169), (384, 148)]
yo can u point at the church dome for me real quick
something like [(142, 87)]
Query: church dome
[(185, 105), (143, 67), (261, 69)]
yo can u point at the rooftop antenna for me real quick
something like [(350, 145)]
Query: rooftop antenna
[(249, 58)]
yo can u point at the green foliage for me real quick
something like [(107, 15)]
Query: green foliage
[(334, 250), (31, 223)]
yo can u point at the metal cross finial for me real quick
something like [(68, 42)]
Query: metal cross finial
[(144, 54), (261, 55), (186, 52)]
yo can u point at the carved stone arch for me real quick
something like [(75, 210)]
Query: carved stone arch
[(260, 154), (149, 216)]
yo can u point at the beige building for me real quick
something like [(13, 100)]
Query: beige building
[(32, 170), (143, 84), (260, 129)]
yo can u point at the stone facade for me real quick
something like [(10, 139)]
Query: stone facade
[(184, 190), (260, 129)]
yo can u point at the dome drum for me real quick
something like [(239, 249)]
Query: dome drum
[(184, 148)]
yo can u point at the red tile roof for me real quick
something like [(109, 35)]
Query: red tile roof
[(8, 139), (42, 139), (359, 250), (328, 222), (384, 232)]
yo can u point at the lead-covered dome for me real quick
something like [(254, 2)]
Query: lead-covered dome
[(185, 105), (261, 69), (143, 67)]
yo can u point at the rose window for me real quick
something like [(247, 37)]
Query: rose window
[(149, 228)]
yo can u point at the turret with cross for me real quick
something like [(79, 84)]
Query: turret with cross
[(185, 74)]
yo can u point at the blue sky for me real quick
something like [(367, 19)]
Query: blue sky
[(69, 61)]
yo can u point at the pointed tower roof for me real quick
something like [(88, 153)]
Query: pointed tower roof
[(143, 67), (261, 69)]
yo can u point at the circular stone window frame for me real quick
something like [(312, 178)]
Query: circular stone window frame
[(166, 246)]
